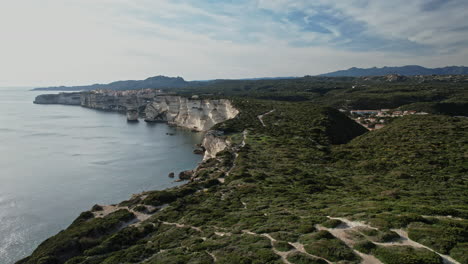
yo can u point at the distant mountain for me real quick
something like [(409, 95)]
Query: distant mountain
[(157, 82), (404, 70), (152, 82)]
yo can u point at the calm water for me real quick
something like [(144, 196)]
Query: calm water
[(57, 161)]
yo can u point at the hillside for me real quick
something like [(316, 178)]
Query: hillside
[(409, 70), (434, 94), (290, 189), (156, 82)]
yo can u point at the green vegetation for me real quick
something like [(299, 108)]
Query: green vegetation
[(282, 246), (440, 235), (398, 254), (432, 95), (308, 162), (365, 247), (332, 223), (85, 233), (327, 246), (459, 252), (301, 258), (406, 255)]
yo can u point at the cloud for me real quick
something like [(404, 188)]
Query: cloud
[(51, 42)]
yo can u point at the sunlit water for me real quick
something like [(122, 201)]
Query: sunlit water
[(57, 161)]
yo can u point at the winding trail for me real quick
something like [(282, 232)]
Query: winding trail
[(139, 216), (298, 247), (340, 233), (407, 241), (181, 225), (260, 117), (245, 133)]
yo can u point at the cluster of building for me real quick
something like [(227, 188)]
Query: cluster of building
[(377, 119), (139, 93)]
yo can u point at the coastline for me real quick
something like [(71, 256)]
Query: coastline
[(70, 158), (212, 142)]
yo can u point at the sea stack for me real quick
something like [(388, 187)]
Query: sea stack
[(132, 115)]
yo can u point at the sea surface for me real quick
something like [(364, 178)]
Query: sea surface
[(57, 161)]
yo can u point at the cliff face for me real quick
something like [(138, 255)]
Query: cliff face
[(61, 98), (199, 115), (195, 114), (111, 102), (214, 142)]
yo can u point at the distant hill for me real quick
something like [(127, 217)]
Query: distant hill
[(152, 82), (404, 70)]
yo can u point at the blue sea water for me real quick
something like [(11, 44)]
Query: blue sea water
[(57, 161)]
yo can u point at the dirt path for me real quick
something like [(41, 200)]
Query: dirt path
[(298, 247), (244, 137), (212, 256), (140, 216), (407, 241), (260, 117), (340, 233), (182, 226)]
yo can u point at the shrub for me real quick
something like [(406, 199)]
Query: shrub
[(332, 223), (140, 208), (96, 207), (285, 236), (282, 246), (406, 255), (301, 258), (331, 249), (387, 236), (460, 252), (437, 237), (365, 247)]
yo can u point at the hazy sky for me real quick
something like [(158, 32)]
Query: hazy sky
[(52, 42)]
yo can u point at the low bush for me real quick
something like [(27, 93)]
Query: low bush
[(282, 246), (332, 223), (406, 255), (301, 258)]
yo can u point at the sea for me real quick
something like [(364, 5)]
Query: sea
[(57, 161)]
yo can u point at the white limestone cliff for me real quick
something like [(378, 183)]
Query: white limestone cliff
[(213, 143), (195, 114)]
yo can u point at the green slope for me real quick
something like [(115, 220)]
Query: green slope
[(305, 164)]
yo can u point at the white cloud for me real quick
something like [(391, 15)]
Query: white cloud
[(53, 42)]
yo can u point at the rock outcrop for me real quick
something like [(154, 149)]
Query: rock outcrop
[(213, 143), (132, 115), (195, 114), (61, 98)]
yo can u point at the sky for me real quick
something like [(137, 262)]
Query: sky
[(75, 42)]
